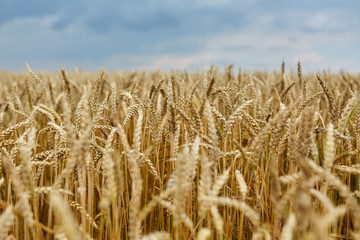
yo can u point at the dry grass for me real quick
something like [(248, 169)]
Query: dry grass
[(203, 155)]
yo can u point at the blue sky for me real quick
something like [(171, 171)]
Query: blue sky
[(174, 34)]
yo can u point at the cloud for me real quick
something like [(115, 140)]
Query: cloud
[(167, 61), (11, 10), (308, 57), (33, 39), (179, 34)]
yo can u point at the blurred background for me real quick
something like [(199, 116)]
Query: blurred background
[(191, 34)]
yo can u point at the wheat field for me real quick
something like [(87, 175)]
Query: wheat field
[(216, 154)]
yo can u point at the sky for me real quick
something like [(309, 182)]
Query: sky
[(179, 34)]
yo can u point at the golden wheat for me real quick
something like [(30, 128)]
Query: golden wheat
[(179, 155)]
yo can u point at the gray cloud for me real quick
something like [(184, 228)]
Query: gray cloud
[(12, 9), (178, 33)]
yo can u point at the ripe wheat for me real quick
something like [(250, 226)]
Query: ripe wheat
[(202, 155)]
